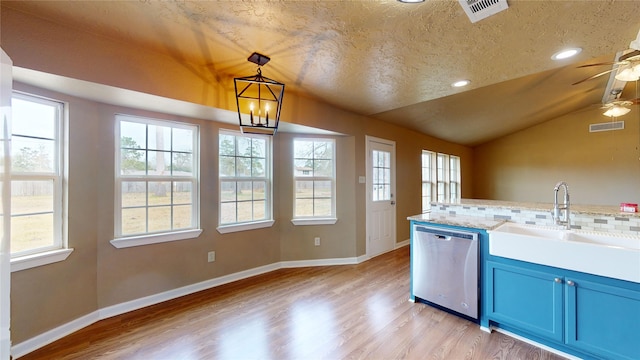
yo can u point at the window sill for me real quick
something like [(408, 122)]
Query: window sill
[(155, 238), (35, 260), (224, 229), (318, 221)]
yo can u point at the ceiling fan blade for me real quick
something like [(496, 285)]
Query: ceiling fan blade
[(599, 64), (630, 55), (593, 76)]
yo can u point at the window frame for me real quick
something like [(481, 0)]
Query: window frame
[(319, 219), (59, 250), (152, 237), (440, 175), (268, 221)]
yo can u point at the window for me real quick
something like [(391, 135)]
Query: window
[(440, 178), (314, 179), (156, 181), (37, 181), (245, 181)]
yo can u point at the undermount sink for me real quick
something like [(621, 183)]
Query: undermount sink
[(612, 255)]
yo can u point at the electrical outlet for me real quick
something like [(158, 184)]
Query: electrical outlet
[(317, 241), (211, 256)]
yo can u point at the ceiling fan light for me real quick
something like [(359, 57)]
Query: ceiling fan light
[(616, 111), (628, 74)]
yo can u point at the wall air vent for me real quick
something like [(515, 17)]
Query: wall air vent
[(479, 9), (608, 126)]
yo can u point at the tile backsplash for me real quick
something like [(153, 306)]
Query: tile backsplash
[(583, 218)]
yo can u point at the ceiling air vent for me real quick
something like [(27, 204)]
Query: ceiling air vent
[(608, 126), (479, 9)]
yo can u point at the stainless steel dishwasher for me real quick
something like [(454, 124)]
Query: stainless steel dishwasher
[(445, 269)]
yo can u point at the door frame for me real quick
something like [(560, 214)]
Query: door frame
[(6, 84), (369, 183)]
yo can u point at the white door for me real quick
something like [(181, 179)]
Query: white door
[(381, 210), (5, 202)]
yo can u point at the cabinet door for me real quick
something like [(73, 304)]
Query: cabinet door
[(529, 300), (603, 320)]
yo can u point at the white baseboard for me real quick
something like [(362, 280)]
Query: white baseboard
[(318, 262), (50, 336), (402, 243)]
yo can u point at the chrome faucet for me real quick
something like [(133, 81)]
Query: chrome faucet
[(561, 212)]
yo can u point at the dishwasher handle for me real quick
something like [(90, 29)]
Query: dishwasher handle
[(442, 237)]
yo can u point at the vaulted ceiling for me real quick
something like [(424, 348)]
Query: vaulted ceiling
[(385, 59)]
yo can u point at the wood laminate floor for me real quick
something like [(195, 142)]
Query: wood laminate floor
[(339, 312)]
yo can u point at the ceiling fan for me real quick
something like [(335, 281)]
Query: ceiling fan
[(628, 64)]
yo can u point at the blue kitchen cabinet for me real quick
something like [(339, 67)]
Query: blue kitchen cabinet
[(527, 299), (590, 316), (602, 319)]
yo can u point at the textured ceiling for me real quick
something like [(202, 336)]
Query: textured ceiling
[(386, 59)]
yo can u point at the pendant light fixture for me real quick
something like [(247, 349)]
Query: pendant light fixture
[(259, 100)]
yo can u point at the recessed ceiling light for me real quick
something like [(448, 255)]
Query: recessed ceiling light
[(411, 1), (566, 53), (461, 83)]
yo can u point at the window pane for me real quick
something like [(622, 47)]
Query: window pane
[(303, 149), (182, 192), (159, 193), (258, 167), (259, 190), (323, 168), (134, 193), (182, 140), (322, 207), (32, 155), (228, 191), (182, 164), (259, 210), (243, 167), (31, 232), (159, 218), (322, 189), (159, 163), (132, 162), (304, 207), (133, 135), (28, 197), (304, 189), (134, 221), (258, 148), (245, 212), (227, 166), (245, 190), (244, 146), (226, 145), (182, 217), (159, 137), (302, 168), (323, 150), (33, 118), (228, 213)]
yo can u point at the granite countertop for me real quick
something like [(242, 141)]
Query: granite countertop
[(575, 208), (475, 222)]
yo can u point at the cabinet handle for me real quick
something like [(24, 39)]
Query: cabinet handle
[(571, 283), (558, 280)]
